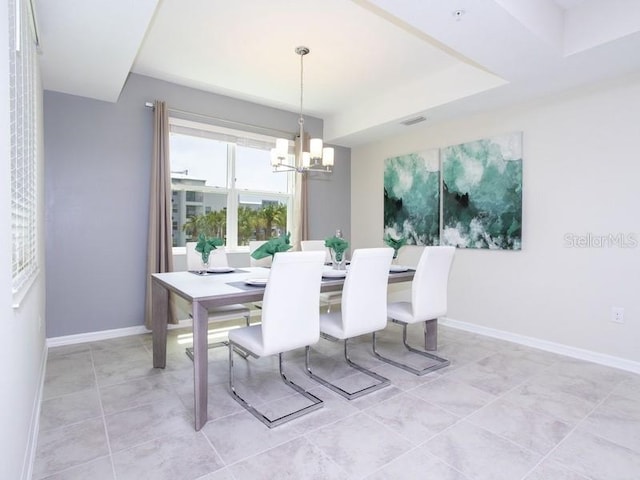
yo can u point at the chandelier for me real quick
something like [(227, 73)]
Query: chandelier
[(315, 157)]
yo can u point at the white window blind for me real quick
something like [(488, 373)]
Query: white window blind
[(22, 84)]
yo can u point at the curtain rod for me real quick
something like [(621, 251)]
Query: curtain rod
[(222, 122)]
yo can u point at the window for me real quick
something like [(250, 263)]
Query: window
[(223, 186), (23, 81)]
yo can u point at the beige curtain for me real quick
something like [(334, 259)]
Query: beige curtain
[(159, 243)]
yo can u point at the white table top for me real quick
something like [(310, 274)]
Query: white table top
[(192, 286), (216, 285)]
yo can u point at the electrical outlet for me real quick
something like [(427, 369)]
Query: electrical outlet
[(617, 314)]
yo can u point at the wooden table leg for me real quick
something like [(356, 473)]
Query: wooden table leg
[(160, 319), (200, 363)]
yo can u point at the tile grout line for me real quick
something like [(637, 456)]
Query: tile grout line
[(104, 420), (414, 447), (201, 432), (467, 419), (545, 457), (286, 441)]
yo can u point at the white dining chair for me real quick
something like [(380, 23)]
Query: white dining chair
[(364, 310), (326, 298), (290, 320), (316, 245), (428, 302), (217, 258)]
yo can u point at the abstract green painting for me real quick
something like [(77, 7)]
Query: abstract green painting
[(412, 198), (482, 193)]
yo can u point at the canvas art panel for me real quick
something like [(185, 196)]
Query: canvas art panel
[(412, 198), (482, 193)]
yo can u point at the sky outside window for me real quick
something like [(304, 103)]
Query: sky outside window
[(204, 158)]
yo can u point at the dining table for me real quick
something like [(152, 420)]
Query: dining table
[(210, 290)]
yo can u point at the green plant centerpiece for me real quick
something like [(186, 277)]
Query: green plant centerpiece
[(337, 246), (273, 246), (395, 243), (205, 246)]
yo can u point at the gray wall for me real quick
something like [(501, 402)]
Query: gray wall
[(97, 167), (329, 199)]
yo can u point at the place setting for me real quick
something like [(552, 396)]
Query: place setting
[(337, 246), (267, 249), (212, 270), (396, 244)]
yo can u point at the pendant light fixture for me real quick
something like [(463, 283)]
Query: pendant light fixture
[(315, 157)]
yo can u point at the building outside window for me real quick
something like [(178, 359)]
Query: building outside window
[(223, 186)]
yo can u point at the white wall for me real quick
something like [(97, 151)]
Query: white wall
[(581, 174), (22, 349)]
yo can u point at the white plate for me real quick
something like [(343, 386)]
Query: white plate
[(221, 270), (332, 273), (258, 282), (398, 268)]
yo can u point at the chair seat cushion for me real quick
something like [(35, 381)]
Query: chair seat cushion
[(402, 311), (249, 338), (331, 324)]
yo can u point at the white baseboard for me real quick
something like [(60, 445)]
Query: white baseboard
[(34, 425), (588, 355), (115, 333), (95, 336), (107, 334)]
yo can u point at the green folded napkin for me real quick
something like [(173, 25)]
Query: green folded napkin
[(394, 243), (206, 245), (338, 245), (272, 246)]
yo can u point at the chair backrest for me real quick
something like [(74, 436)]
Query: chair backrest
[(217, 257), (263, 262), (364, 295), (291, 302), (430, 283), (315, 245)]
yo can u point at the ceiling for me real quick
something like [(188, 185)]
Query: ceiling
[(373, 63)]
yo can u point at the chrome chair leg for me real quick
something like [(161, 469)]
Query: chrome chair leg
[(316, 403), (381, 381), (189, 350), (224, 343), (242, 353), (439, 361)]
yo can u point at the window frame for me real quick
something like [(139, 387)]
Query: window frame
[(24, 152), (232, 137)]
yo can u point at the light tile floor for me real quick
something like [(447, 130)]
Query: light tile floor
[(500, 411)]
